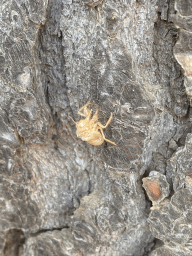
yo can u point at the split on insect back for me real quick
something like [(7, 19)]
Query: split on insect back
[(89, 129)]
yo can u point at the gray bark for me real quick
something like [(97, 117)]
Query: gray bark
[(60, 195)]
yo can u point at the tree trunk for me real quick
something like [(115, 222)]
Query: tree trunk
[(61, 193)]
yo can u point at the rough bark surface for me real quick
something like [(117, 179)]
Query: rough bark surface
[(60, 195)]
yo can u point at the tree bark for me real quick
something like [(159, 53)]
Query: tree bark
[(61, 195)]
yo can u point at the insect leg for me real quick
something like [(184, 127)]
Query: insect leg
[(108, 122), (82, 108), (73, 120), (95, 116), (105, 138)]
